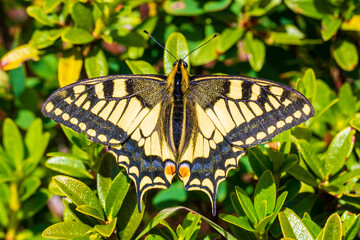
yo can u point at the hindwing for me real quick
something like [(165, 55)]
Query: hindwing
[(146, 155), (249, 111), (207, 157)]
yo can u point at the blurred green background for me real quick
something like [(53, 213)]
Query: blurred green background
[(311, 45)]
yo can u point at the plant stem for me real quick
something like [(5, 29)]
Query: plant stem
[(14, 208)]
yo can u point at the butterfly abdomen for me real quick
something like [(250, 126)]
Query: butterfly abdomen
[(177, 121)]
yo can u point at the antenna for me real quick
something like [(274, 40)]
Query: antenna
[(160, 44), (201, 46)]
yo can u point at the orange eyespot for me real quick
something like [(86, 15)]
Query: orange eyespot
[(169, 168), (184, 170)]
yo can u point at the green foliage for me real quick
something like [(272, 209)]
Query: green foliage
[(256, 217), (303, 185), (20, 176)]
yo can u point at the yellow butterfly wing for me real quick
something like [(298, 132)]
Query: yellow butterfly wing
[(124, 112), (232, 113)]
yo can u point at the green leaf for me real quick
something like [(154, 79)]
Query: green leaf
[(130, 217), (191, 225), (241, 221), (292, 226), (307, 85), (35, 141), (40, 16), (69, 66), (177, 45), (348, 218), (345, 177), (50, 5), (140, 67), (255, 49), (302, 175), (4, 214), (219, 229), (206, 53), (96, 64), (169, 228), (265, 191), (72, 213), (228, 38), (193, 8), (289, 162), (180, 231), (5, 164), (284, 139), (174, 195), (345, 54), (246, 204), (339, 150), (106, 230), (329, 27), (277, 158), (279, 204), (41, 39), (347, 101), (262, 224), (66, 230), (90, 211), (70, 166), (28, 187), (355, 122), (82, 16), (214, 6), (303, 202), (183, 8), (310, 157), (157, 219), (154, 237), (352, 224), (17, 80), (311, 225), (259, 8), (34, 204), (333, 228), (77, 36), (308, 8), (78, 192), (24, 118), (322, 112), (116, 195), (13, 142), (109, 169), (259, 161), (287, 38)]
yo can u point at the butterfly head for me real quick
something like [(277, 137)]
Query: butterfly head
[(180, 64)]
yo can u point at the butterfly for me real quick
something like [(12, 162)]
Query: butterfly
[(196, 127)]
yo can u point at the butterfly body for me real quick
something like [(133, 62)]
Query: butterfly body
[(196, 127)]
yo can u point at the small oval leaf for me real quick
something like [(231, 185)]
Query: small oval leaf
[(78, 192), (177, 45), (345, 54)]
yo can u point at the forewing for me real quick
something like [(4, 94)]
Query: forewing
[(124, 112), (207, 157), (146, 155), (249, 111), (107, 109)]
